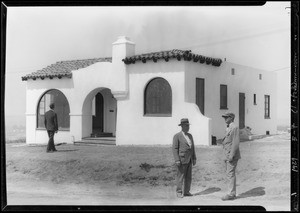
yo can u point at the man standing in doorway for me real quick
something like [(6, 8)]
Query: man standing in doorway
[(231, 153), (51, 127), (185, 157)]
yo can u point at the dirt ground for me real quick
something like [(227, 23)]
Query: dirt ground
[(89, 175)]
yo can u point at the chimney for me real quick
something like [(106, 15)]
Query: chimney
[(121, 49)]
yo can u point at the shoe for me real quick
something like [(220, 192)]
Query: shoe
[(228, 197), (180, 195), (50, 151), (55, 150), (188, 194)]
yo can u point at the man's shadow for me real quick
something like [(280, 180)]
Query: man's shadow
[(208, 191), (258, 191), (67, 150)]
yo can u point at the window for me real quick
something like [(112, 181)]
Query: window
[(200, 86), (223, 96), (254, 99), (158, 98), (61, 108), (260, 76), (232, 71), (267, 106)]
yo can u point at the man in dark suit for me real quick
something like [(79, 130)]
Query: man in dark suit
[(231, 154), (51, 127), (184, 155)]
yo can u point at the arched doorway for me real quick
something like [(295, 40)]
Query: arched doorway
[(99, 114)]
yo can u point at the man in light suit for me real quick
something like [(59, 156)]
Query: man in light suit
[(51, 127), (184, 155), (231, 154)]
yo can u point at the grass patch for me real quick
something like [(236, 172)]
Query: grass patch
[(19, 140)]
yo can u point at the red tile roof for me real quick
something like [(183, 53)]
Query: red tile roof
[(186, 55), (63, 68)]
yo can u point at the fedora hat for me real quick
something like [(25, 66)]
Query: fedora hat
[(228, 114), (184, 121)]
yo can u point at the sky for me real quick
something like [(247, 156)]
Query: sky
[(256, 36)]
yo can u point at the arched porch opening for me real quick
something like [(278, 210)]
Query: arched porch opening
[(99, 114)]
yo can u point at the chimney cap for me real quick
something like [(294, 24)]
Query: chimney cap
[(123, 40)]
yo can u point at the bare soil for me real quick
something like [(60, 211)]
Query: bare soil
[(145, 175)]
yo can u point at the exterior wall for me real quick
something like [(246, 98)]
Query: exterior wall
[(123, 89), (246, 80), (135, 128), (35, 90), (79, 91), (88, 82)]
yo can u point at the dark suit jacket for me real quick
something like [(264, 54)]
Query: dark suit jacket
[(231, 143), (51, 121), (181, 150)]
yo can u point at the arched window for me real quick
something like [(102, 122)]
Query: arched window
[(62, 109), (158, 98)]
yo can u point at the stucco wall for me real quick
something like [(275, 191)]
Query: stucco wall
[(246, 80), (135, 128), (35, 90), (79, 91)]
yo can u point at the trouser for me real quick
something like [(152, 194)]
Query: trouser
[(184, 178), (51, 146), (230, 173)]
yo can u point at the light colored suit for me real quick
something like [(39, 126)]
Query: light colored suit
[(231, 155), (181, 150), (231, 143), (184, 153)]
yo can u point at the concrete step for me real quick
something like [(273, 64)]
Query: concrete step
[(97, 141), (101, 134)]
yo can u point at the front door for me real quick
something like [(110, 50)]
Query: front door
[(242, 110), (98, 118)]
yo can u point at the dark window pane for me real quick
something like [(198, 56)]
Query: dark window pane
[(223, 96), (61, 108), (158, 97), (200, 92), (267, 106)]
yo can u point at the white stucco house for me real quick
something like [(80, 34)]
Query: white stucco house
[(140, 99)]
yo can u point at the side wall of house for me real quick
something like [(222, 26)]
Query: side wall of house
[(35, 90), (245, 80), (134, 127), (79, 92)]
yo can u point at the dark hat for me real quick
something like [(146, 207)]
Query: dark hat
[(228, 114), (51, 105), (184, 121)]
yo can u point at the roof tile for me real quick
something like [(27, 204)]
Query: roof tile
[(187, 55), (63, 68)]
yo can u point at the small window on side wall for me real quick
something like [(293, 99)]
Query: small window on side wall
[(254, 99), (232, 71), (260, 76), (267, 106), (223, 96), (158, 98)]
